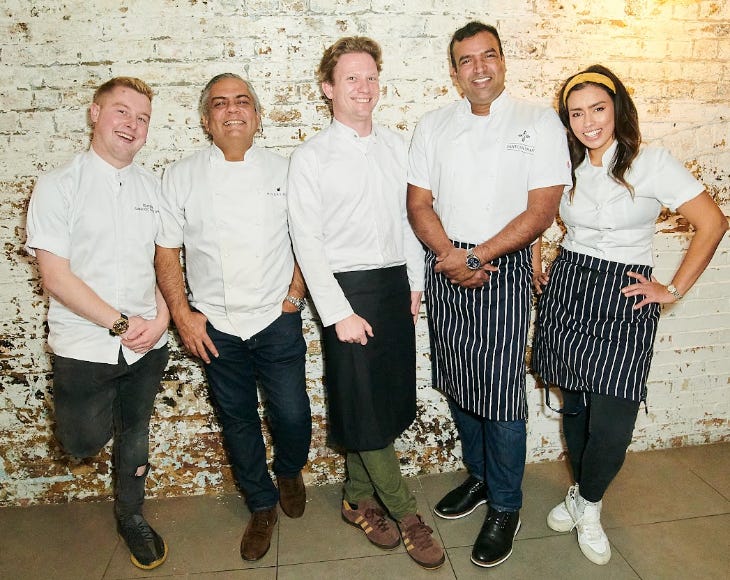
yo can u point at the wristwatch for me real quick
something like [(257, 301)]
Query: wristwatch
[(672, 289), (298, 302), (472, 262), (120, 325)]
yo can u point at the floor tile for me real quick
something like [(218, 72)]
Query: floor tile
[(711, 463), (555, 557), (544, 485), (657, 486), (667, 516), (454, 533), (251, 574), (203, 533), (73, 540), (691, 548), (321, 534), (385, 566)]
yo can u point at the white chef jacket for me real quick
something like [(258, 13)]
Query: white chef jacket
[(480, 168), (347, 209), (104, 221), (231, 218), (605, 221)]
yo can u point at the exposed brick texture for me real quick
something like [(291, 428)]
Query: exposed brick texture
[(674, 57)]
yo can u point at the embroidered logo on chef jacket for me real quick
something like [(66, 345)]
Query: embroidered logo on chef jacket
[(523, 144), (148, 207)]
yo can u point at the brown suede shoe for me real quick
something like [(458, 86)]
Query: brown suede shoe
[(257, 537), (292, 495), (419, 543), (370, 517)]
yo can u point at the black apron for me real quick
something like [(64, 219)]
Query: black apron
[(371, 389)]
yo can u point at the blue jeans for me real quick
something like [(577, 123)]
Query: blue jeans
[(95, 402), (494, 451), (274, 357)]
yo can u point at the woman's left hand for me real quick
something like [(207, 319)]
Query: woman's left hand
[(651, 290)]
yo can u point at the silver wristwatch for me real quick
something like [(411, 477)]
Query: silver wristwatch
[(472, 260), (298, 302), (672, 289)]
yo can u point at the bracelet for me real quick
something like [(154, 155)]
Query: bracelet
[(672, 289), (298, 302)]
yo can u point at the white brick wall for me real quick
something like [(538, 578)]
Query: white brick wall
[(672, 56)]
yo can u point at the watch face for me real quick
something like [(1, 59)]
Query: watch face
[(120, 326), (472, 262)]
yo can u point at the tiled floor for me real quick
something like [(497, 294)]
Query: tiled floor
[(667, 516)]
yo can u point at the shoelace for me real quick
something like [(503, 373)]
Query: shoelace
[(260, 523), (591, 530), (144, 535), (472, 487), (500, 519), (419, 534), (376, 518)]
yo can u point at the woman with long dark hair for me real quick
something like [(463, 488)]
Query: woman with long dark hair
[(599, 308)]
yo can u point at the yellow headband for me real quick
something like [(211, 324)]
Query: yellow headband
[(588, 77)]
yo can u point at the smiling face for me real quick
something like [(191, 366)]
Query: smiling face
[(354, 91), (231, 119), (480, 70), (121, 119), (591, 114)]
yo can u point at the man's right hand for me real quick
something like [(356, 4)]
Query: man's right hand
[(354, 329), (191, 328), (479, 278), (452, 264)]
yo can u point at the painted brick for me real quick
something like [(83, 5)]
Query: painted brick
[(672, 56)]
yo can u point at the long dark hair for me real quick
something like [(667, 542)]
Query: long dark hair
[(626, 126)]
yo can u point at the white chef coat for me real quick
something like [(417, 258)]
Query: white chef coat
[(347, 209), (231, 219), (481, 168), (104, 221), (605, 221)]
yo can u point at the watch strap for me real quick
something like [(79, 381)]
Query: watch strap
[(298, 302), (672, 289)]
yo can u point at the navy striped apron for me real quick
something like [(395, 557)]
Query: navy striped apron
[(588, 337), (479, 336)]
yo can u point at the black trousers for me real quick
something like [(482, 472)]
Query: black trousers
[(597, 438), (95, 402)]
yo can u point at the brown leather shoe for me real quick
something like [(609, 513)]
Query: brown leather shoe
[(257, 537), (292, 495)]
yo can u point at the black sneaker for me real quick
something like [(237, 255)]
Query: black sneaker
[(147, 549), (494, 542), (462, 500)]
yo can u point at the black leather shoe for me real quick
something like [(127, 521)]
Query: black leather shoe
[(462, 500), (494, 542)]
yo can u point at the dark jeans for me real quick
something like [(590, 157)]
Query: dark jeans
[(95, 402), (597, 438), (494, 451), (274, 356)]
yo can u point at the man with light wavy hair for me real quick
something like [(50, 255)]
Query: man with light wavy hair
[(364, 270)]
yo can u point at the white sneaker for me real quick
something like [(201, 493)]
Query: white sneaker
[(592, 539), (562, 517)]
